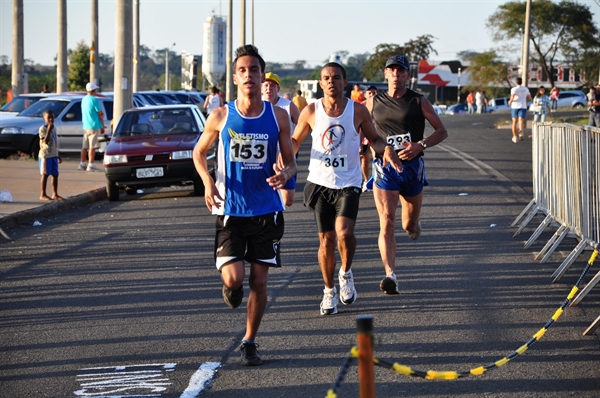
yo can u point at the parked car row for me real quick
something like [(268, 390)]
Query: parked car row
[(575, 99), (19, 131)]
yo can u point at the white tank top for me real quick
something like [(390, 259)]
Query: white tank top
[(285, 104), (334, 156)]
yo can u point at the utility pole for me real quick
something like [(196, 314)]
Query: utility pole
[(136, 45), (18, 67), (243, 26), (228, 82), (94, 47), (252, 42), (525, 62), (61, 59), (123, 97), (167, 74)]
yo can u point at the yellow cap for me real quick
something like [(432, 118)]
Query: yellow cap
[(273, 77)]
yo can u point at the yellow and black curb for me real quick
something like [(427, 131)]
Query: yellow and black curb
[(364, 349)]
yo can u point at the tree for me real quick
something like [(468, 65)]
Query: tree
[(487, 72), (417, 49), (79, 67), (557, 29), (376, 62)]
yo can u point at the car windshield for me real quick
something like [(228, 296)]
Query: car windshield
[(19, 103), (155, 122), (36, 110)]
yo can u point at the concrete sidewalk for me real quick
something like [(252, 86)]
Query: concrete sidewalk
[(20, 177)]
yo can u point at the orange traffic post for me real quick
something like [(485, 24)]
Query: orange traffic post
[(366, 367)]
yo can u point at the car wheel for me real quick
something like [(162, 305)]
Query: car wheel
[(198, 186), (112, 190), (34, 149), (578, 105)]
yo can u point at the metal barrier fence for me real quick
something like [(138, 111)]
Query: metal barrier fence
[(566, 189)]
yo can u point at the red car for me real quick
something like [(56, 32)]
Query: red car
[(152, 146)]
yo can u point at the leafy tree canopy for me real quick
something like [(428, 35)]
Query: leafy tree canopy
[(417, 49), (487, 72), (557, 29), (79, 67)]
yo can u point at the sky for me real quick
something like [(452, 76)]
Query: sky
[(284, 30)]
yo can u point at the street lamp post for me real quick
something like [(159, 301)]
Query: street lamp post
[(167, 74), (458, 92)]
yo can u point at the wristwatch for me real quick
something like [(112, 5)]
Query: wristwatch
[(423, 144)]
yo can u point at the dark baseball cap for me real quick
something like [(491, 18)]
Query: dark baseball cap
[(399, 60)]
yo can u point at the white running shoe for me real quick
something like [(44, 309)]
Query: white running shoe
[(514, 139), (329, 302), (82, 166), (348, 293), (91, 167)]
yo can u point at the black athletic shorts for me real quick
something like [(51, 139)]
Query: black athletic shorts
[(328, 204), (254, 239)]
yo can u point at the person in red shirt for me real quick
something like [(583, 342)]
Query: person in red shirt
[(470, 102)]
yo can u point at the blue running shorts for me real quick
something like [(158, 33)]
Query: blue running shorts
[(409, 182)]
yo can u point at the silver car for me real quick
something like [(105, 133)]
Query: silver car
[(19, 133)]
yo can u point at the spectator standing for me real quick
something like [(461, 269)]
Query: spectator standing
[(479, 102), (332, 189), (48, 158), (541, 105), (299, 101), (594, 107), (519, 95), (357, 94), (400, 114), (93, 125), (470, 103), (554, 93), (244, 197), (270, 92), (45, 89), (213, 101), (485, 101)]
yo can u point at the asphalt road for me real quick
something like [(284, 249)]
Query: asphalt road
[(122, 298)]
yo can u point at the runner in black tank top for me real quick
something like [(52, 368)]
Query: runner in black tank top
[(400, 116)]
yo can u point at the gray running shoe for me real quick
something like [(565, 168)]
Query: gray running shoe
[(233, 298), (329, 303), (250, 354), (414, 235), (347, 291), (389, 285), (91, 167)]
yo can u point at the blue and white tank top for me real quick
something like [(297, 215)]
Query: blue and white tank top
[(334, 156), (246, 154)]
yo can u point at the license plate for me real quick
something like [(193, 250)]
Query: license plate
[(149, 172)]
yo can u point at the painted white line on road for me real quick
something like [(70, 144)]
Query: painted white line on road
[(201, 380), (145, 380)]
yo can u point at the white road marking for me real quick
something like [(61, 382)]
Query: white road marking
[(201, 380), (113, 381)]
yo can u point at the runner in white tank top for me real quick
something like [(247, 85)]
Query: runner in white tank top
[(333, 187), (335, 155)]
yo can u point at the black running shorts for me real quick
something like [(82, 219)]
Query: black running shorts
[(254, 239)]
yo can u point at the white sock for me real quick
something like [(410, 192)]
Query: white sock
[(346, 274), (392, 275), (328, 290)]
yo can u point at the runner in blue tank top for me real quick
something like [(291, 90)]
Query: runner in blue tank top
[(244, 196)]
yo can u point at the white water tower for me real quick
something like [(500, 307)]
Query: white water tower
[(214, 45)]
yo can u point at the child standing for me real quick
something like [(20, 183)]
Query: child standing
[(48, 158)]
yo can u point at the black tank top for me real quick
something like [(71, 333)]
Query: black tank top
[(398, 116)]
